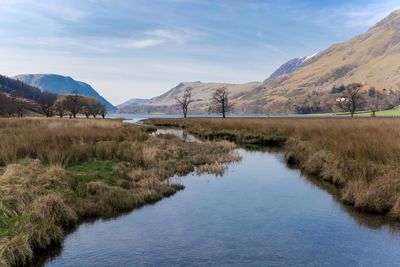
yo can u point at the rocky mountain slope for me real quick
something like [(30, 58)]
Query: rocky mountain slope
[(289, 67), (62, 85)]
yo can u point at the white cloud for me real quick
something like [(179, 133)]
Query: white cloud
[(144, 43)]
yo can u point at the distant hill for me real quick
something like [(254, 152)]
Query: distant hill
[(133, 103), (201, 94), (9, 86), (59, 84)]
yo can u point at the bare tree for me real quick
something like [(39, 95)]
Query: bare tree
[(60, 106), (220, 102), (46, 102), (73, 103), (90, 106), (185, 100), (103, 111), (351, 100)]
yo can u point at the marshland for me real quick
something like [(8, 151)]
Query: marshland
[(359, 156), (56, 173), (327, 176)]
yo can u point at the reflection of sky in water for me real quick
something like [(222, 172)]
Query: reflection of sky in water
[(258, 213)]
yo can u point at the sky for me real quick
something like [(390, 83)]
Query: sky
[(141, 48)]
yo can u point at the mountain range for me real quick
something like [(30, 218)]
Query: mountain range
[(372, 58), (62, 85)]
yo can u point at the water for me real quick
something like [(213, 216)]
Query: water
[(260, 213), (136, 117), (185, 136)]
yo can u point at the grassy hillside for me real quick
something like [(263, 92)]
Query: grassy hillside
[(371, 58)]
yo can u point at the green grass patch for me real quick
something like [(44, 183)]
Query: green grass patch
[(93, 171)]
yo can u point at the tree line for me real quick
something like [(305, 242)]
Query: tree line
[(347, 98), (353, 98), (50, 104), (220, 102)]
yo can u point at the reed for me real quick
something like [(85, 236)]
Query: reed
[(56, 172), (360, 156)]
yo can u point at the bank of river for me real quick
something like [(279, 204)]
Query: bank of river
[(259, 213)]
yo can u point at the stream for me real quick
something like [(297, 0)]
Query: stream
[(259, 213)]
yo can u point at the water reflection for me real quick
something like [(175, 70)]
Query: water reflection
[(181, 134), (259, 213)]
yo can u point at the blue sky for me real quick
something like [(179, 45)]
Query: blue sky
[(141, 48)]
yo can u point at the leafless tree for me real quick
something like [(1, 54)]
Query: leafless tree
[(46, 102), (352, 99), (103, 111), (185, 100), (73, 103), (91, 106), (60, 106), (220, 102)]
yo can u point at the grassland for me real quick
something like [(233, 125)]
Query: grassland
[(55, 173), (360, 156), (366, 113)]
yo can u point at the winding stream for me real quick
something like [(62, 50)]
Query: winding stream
[(260, 213)]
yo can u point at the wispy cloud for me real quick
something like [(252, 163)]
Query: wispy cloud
[(156, 44), (144, 43)]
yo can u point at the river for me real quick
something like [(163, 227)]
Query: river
[(259, 213)]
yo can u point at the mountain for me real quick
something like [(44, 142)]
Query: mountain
[(372, 58), (201, 94), (306, 84), (290, 66), (62, 85), (133, 103), (8, 85)]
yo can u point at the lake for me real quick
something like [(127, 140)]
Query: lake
[(260, 213), (136, 117)]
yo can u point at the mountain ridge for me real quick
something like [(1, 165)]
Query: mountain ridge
[(59, 84)]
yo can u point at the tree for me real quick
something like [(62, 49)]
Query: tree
[(18, 103), (103, 111), (220, 102), (46, 102), (185, 100), (73, 103), (351, 100), (91, 106), (60, 106)]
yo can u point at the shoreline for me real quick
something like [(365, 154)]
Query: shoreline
[(97, 169), (311, 160)]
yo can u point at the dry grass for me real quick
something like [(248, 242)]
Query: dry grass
[(360, 156), (56, 172)]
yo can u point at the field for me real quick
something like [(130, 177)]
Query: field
[(360, 156), (384, 113), (54, 173)]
